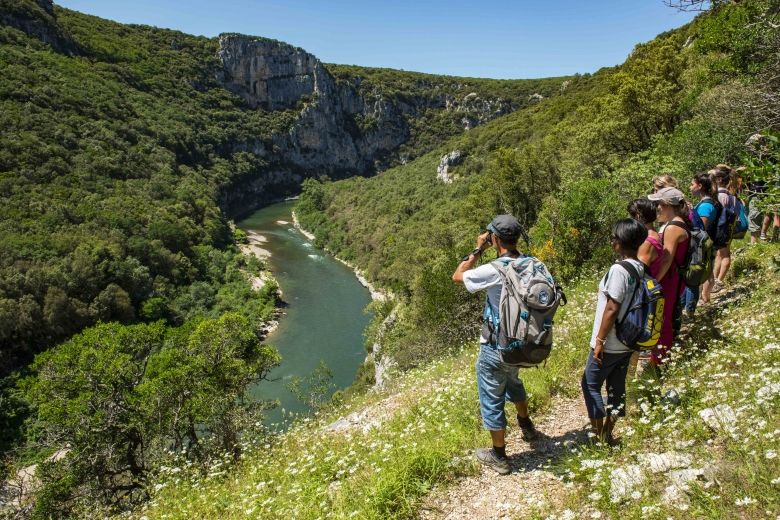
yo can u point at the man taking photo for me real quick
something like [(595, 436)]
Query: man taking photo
[(497, 382)]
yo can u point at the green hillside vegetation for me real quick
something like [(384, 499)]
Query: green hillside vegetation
[(120, 274), (431, 126), (117, 146), (566, 167), (420, 432), (112, 164)]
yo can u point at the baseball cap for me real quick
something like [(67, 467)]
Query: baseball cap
[(669, 195), (505, 227)]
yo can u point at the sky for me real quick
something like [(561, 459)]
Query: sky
[(487, 38)]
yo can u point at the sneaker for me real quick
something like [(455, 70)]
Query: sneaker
[(527, 427), (717, 286), (488, 458)]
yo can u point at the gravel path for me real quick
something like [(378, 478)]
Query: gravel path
[(530, 487)]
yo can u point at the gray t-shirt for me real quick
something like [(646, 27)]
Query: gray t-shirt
[(484, 277), (618, 285)]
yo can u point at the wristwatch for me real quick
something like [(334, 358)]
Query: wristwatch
[(476, 252)]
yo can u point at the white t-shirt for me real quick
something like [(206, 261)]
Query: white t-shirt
[(484, 277), (618, 285)]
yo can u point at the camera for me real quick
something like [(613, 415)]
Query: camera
[(489, 239)]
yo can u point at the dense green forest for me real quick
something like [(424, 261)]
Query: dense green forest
[(566, 167), (118, 265), (112, 165), (128, 326), (430, 126)]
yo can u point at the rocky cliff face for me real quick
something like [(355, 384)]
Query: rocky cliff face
[(330, 136), (339, 131), (36, 18)]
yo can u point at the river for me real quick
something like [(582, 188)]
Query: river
[(324, 319)]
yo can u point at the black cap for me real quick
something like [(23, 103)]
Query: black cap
[(506, 227)]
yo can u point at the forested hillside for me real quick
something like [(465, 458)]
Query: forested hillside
[(124, 152), (119, 146), (129, 329), (566, 167)]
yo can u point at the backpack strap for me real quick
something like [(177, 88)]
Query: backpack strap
[(499, 264), (683, 225), (634, 274)]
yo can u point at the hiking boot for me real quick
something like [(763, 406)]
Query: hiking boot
[(487, 457), (717, 287), (528, 428)]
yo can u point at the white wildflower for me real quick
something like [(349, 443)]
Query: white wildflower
[(744, 501), (770, 454)]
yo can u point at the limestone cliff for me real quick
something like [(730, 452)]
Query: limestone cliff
[(341, 128), (327, 138), (37, 18)]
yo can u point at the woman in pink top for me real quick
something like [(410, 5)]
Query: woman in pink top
[(651, 253), (672, 212)]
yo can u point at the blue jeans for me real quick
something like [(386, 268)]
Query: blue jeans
[(690, 298), (497, 383), (613, 370)]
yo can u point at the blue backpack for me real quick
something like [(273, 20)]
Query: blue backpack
[(640, 327), (741, 225), (727, 221)]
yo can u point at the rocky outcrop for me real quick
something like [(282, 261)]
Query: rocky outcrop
[(337, 132), (37, 19), (453, 158), (267, 73), (478, 110)]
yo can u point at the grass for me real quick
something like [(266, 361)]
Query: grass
[(731, 355), (310, 472), (676, 460)]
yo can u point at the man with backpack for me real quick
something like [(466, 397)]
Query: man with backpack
[(497, 381), (619, 291)]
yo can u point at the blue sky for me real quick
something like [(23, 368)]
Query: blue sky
[(489, 38)]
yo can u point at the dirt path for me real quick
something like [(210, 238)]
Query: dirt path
[(530, 487)]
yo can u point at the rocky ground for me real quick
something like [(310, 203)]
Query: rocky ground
[(531, 487)]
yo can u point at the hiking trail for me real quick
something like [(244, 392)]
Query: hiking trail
[(530, 487)]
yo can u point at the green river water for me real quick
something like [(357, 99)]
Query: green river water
[(324, 319)]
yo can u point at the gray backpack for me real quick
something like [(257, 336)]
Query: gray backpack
[(522, 328)]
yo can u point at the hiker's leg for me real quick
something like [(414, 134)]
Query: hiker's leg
[(765, 225), (706, 289), (597, 427), (755, 219), (515, 391), (690, 299), (718, 260), (491, 388), (616, 389), (776, 230), (632, 364), (497, 438), (592, 380), (725, 263), (522, 408)]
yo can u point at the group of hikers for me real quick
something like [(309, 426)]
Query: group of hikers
[(673, 254)]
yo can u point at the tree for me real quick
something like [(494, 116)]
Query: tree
[(119, 396)]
